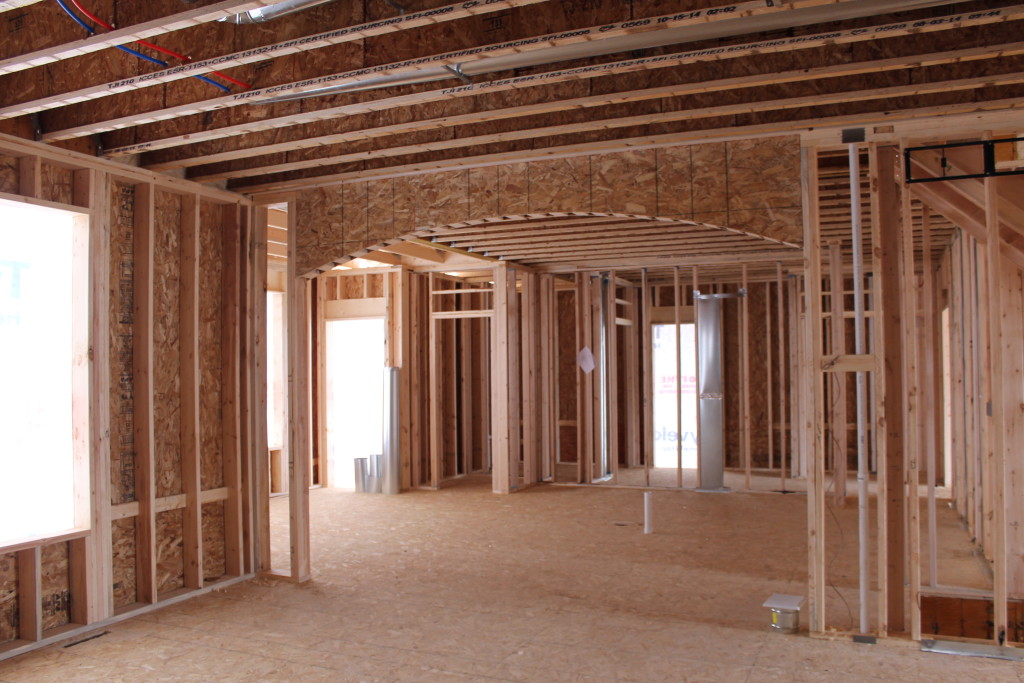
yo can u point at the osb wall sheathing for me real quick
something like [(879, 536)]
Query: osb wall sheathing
[(122, 387), (1013, 395), (419, 368), (352, 288), (757, 388), (430, 200), (122, 397), (375, 286), (123, 542), (479, 387), (55, 579), (10, 176), (360, 287), (567, 373), (211, 312), (166, 345), (731, 375), (56, 585), (170, 563), (8, 597), (211, 306), (752, 185), (759, 345), (214, 565), (58, 184)]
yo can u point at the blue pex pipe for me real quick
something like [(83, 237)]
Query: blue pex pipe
[(74, 16), (130, 51)]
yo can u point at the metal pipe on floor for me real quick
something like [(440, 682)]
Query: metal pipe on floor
[(391, 483), (858, 342), (648, 513)]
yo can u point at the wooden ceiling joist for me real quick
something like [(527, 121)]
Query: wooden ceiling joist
[(499, 229), (746, 76), (484, 239), (662, 117), (740, 14), (702, 261), (539, 246), (975, 112), (565, 236), (627, 66), (547, 244), (639, 248), (384, 257), (254, 56), (532, 80), (630, 223), (129, 34), (8, 5), (416, 251), (556, 238), (640, 120)]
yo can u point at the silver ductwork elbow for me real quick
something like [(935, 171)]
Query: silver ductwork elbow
[(262, 14)]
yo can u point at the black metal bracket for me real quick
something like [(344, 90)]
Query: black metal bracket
[(37, 126), (988, 156), (456, 71)]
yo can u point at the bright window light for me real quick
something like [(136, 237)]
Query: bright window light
[(355, 385), (276, 389), (44, 394), (666, 431)]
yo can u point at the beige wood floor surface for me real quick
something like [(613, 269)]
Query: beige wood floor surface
[(553, 584)]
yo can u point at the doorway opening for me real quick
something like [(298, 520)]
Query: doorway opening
[(355, 395), (675, 396)]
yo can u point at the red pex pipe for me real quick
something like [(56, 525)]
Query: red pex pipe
[(172, 53)]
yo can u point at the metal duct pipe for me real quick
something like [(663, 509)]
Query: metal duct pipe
[(261, 14), (846, 9), (604, 363)]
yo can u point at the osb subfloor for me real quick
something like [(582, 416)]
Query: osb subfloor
[(553, 584), (666, 477)]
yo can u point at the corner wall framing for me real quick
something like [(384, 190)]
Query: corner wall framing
[(170, 309), (943, 271)]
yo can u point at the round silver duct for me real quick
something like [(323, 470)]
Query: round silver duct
[(262, 14)]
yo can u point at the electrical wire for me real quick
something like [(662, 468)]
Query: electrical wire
[(91, 31)]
